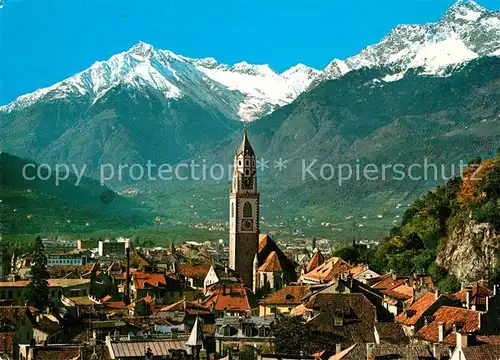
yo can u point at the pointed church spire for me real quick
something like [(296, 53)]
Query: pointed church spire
[(196, 337), (245, 148)]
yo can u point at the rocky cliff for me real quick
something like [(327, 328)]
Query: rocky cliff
[(471, 252)]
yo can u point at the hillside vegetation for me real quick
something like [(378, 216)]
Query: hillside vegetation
[(428, 224)]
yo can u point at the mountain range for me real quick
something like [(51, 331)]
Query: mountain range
[(424, 91)]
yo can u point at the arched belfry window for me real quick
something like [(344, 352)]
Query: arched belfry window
[(247, 210)]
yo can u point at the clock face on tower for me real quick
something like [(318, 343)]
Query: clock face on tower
[(247, 225), (247, 183)]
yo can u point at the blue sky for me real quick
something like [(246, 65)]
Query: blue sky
[(45, 41)]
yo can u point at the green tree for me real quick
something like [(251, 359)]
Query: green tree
[(248, 353), (348, 253), (38, 289), (476, 161), (291, 335), (449, 285)]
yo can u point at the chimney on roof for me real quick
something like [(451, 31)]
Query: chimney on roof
[(440, 331), (487, 302), (436, 294), (468, 293), (394, 277), (369, 351), (462, 340)]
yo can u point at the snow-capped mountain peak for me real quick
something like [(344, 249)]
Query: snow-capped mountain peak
[(248, 91), (466, 31), (263, 88), (299, 69), (142, 49), (249, 69), (467, 10), (243, 90)]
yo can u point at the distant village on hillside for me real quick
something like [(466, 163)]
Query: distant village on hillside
[(247, 298)]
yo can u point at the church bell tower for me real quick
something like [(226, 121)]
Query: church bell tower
[(244, 212)]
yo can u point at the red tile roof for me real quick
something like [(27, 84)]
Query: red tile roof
[(115, 305), (234, 298), (488, 339), (272, 263), (106, 298), (288, 295), (467, 321), (328, 270), (316, 260), (416, 310), (359, 269), (482, 352), (478, 294), (190, 307), (399, 291), (194, 271), (387, 281), (143, 280)]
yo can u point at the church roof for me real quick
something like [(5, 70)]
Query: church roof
[(272, 263), (266, 247), (245, 148)]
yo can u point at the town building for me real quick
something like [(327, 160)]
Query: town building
[(254, 256), (220, 275), (134, 348), (163, 288), (413, 317), (326, 271), (57, 244), (233, 333), (284, 300), (473, 347), (234, 300), (474, 297), (16, 291), (194, 275), (65, 258), (113, 247)]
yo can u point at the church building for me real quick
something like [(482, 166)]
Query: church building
[(254, 256)]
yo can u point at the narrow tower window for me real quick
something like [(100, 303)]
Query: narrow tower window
[(247, 210), (232, 210)]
